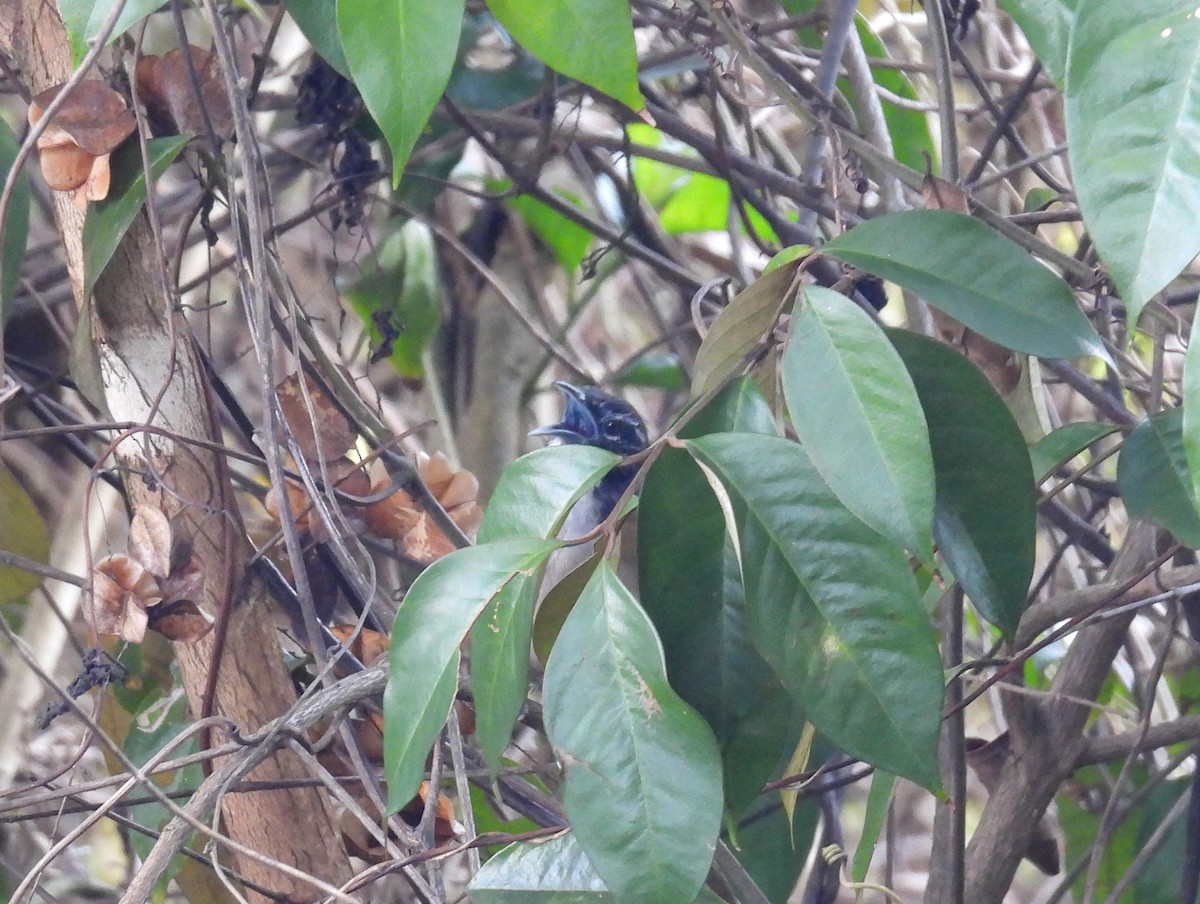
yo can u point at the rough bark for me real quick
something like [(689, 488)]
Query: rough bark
[(145, 349)]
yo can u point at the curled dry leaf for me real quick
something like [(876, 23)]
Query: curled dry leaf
[(150, 540), (181, 620), (166, 87), (344, 475), (74, 148), (121, 594), (320, 429), (399, 517)]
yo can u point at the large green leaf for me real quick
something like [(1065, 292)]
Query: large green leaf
[(85, 18), (22, 531), (642, 776), (108, 220), (976, 275), (16, 224), (531, 499), (986, 516), (401, 53), (1047, 26), (833, 606), (431, 623), (858, 416), (692, 590), (588, 40), (1154, 478), (740, 327), (1133, 125), (398, 286), (318, 22)]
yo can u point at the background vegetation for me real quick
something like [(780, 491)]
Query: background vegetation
[(905, 294)]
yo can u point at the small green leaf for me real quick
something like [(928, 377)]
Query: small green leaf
[(1047, 26), (986, 517), (432, 621), (858, 416), (317, 20), (740, 327), (1039, 199), (108, 220), (84, 20), (16, 225), (642, 777), (401, 53), (588, 40), (551, 872), (22, 531), (658, 371), (1057, 448), (833, 606), (1133, 126), (567, 239), (701, 204), (879, 801), (399, 287), (975, 275), (1154, 478), (531, 499), (908, 128)]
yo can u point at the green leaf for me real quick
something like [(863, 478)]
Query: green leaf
[(700, 205), (16, 225), (774, 850), (84, 20), (432, 621), (740, 327), (879, 800), (567, 239), (858, 416), (399, 287), (108, 220), (22, 531), (642, 777), (656, 370), (401, 53), (833, 606), (1047, 27), (1154, 478), (1058, 447), (985, 523), (317, 20), (908, 128), (975, 275), (531, 499), (588, 40), (1133, 125), (550, 872)]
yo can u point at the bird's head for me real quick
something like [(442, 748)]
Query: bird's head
[(594, 418)]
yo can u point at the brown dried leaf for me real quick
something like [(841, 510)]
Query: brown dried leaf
[(65, 167), (367, 647), (398, 517), (166, 87), (181, 620), (325, 431), (940, 194), (150, 540), (121, 593), (94, 116)]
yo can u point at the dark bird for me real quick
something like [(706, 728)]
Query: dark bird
[(594, 418)]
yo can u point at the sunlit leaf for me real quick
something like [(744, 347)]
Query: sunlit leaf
[(858, 416), (642, 776), (1133, 126), (833, 606), (975, 275)]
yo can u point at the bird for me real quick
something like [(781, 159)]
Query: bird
[(593, 417)]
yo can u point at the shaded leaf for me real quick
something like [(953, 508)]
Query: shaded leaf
[(985, 521), (1154, 478), (432, 621), (401, 53), (642, 777), (879, 800), (740, 327), (567, 239), (908, 128), (1133, 125), (318, 22), (833, 606), (84, 20), (108, 220), (16, 223), (588, 40), (1047, 26), (975, 275), (23, 532), (858, 416), (1057, 448)]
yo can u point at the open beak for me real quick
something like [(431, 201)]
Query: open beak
[(578, 425)]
